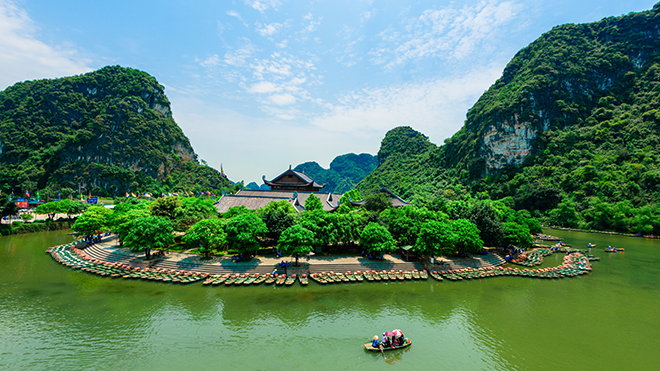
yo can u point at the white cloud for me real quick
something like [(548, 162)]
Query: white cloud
[(240, 56), (262, 5), (367, 15), (312, 25), (448, 33), (263, 87), (282, 99), (436, 107), (283, 44), (268, 29), (235, 14), (211, 61), (24, 57)]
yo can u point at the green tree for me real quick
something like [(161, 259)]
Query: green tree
[(149, 233), (278, 216), (192, 210), (320, 223), (92, 221), (208, 234), (378, 202), (71, 207), (123, 216), (467, 236), (376, 239), (488, 222), (296, 240), (435, 238), (517, 235), (313, 203), (236, 211), (49, 208), (565, 214), (167, 207), (243, 232), (404, 222), (346, 227)]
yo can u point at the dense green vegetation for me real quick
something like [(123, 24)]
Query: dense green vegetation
[(589, 95), (106, 132), (344, 173), (447, 227)]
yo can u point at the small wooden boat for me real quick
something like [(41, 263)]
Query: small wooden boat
[(241, 279), (290, 280), (358, 276), (392, 275), (303, 280), (384, 276), (230, 280), (270, 279), (408, 275), (350, 276), (424, 275), (281, 279), (249, 280), (415, 274), (341, 277), (258, 279), (372, 349), (368, 276)]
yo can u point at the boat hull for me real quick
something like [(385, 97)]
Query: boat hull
[(372, 349)]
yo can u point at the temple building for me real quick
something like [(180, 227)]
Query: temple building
[(291, 186), (292, 180)]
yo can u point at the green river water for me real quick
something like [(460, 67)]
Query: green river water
[(55, 318)]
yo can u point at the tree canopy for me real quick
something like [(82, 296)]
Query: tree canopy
[(148, 233), (296, 240), (243, 232), (207, 235), (377, 239)]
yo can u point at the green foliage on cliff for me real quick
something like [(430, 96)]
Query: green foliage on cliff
[(109, 131), (344, 173), (579, 115)]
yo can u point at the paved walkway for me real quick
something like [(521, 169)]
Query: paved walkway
[(109, 251)]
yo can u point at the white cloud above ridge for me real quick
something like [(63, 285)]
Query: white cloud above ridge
[(24, 57), (447, 33), (436, 107)]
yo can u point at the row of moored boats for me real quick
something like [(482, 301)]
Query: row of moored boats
[(73, 257), (372, 275), (574, 264), (247, 279)]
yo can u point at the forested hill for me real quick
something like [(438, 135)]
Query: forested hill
[(344, 173), (571, 131), (109, 131)]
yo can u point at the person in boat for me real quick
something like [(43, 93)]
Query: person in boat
[(375, 343), (386, 341)]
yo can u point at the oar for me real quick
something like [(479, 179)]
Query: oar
[(381, 350)]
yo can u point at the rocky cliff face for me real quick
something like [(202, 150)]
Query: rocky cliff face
[(110, 129), (553, 83)]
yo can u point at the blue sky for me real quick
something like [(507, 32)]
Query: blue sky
[(260, 84)]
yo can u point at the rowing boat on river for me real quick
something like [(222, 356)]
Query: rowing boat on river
[(372, 349)]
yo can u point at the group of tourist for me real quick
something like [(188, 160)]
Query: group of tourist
[(91, 240), (390, 339)]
